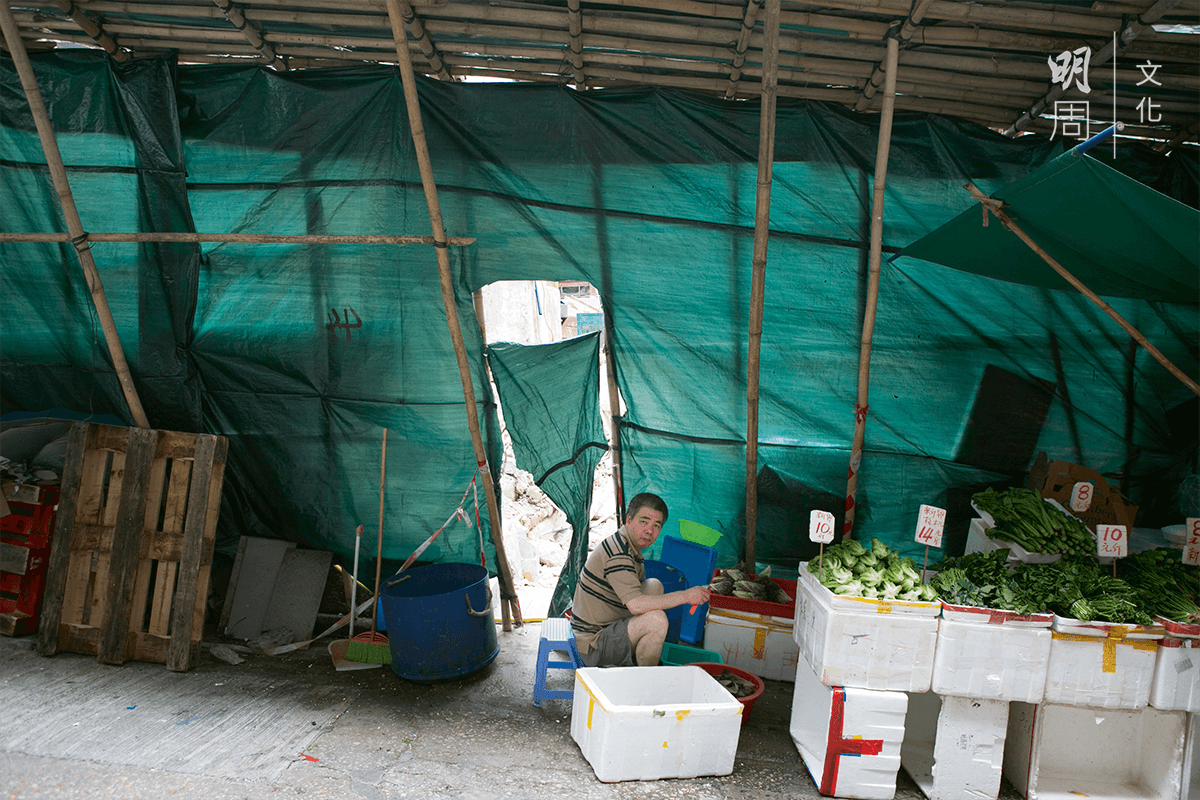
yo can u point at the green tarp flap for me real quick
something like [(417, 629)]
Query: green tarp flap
[(550, 394), (648, 194), (1116, 235)]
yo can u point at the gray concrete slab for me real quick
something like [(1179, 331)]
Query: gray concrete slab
[(373, 734)]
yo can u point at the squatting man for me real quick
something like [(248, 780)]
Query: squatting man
[(618, 616)]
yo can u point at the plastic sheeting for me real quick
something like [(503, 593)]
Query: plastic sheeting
[(647, 194), (550, 397)]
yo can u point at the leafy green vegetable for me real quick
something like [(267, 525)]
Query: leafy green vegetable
[(984, 580), (880, 572), (1080, 588), (1023, 517), (1166, 586)]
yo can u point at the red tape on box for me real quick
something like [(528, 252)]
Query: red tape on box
[(838, 746)]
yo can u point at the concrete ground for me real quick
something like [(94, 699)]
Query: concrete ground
[(292, 726)]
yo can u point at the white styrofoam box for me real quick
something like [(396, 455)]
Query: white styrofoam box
[(991, 662), (1177, 675), (1191, 761), (647, 723), (954, 746), (1100, 664), (1058, 752), (758, 644), (865, 644), (849, 739)]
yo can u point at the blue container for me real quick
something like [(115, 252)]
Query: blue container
[(696, 562), (440, 622), (672, 581)]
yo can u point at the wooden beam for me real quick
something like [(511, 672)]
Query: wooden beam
[(252, 33), (874, 261), (739, 50), (58, 174), (508, 593), (758, 274)]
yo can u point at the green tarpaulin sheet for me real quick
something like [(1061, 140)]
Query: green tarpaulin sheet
[(550, 394)]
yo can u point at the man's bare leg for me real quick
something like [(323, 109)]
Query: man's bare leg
[(648, 632)]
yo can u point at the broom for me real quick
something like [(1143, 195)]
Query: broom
[(373, 647)]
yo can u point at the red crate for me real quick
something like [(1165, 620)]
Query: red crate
[(20, 596), (30, 521)]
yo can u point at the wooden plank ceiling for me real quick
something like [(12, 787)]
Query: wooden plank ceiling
[(984, 61)]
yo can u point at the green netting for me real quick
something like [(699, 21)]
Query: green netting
[(647, 194), (550, 394)]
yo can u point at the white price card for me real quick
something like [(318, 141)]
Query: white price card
[(1081, 496), (930, 524), (820, 526), (1191, 545), (1112, 541)]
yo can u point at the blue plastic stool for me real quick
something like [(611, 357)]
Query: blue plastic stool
[(556, 635)]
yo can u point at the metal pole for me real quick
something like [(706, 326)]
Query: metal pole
[(58, 174)]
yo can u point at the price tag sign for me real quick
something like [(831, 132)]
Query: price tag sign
[(820, 526), (1112, 541), (1191, 545), (930, 524), (1081, 496)]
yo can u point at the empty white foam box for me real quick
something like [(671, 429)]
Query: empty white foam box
[(1101, 665), (862, 643), (991, 655), (1191, 761), (849, 739), (954, 746), (1058, 752), (1177, 675), (647, 723), (762, 645)]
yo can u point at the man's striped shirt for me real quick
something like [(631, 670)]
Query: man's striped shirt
[(611, 577)]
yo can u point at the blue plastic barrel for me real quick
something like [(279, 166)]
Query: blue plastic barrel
[(440, 622), (672, 581)]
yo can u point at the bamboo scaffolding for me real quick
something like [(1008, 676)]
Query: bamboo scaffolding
[(739, 51), (861, 403), (574, 30), (92, 27), (245, 238), (62, 188), (252, 34), (758, 274), (907, 28), (510, 609), (414, 25), (996, 207)]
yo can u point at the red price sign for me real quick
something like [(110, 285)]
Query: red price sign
[(1112, 541), (1081, 496), (820, 526), (1191, 545), (930, 524)]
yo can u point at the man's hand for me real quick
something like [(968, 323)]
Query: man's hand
[(661, 602), (697, 595)]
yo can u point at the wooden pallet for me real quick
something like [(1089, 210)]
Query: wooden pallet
[(132, 546)]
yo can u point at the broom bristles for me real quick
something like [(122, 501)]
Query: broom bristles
[(370, 648)]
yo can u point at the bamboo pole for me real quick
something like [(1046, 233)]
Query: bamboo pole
[(739, 51), (758, 276), (245, 238), (905, 35), (92, 27), (413, 23), (508, 593), (614, 416), (575, 30), (861, 404), (252, 33), (62, 187), (997, 209)]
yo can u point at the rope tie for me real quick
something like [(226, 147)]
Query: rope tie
[(80, 242)]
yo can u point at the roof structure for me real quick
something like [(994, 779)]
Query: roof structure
[(1012, 66)]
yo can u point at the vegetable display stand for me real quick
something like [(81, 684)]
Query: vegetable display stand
[(862, 643), (1177, 675), (849, 739), (954, 746), (1101, 665), (1058, 752), (132, 547), (991, 655)]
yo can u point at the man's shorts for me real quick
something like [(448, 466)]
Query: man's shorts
[(611, 648)]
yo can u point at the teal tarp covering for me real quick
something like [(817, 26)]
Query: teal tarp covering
[(647, 194), (550, 397)]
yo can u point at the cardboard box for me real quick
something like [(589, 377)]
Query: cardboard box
[(758, 644), (1058, 752), (1101, 665), (1177, 675), (990, 661), (849, 739), (865, 644), (1056, 480), (954, 746), (648, 723)]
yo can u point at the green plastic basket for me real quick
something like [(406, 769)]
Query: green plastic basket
[(677, 655)]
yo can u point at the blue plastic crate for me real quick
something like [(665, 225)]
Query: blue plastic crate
[(696, 562)]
